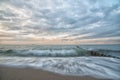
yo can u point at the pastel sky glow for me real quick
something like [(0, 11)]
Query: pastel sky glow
[(59, 21)]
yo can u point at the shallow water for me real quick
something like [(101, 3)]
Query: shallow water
[(92, 66)]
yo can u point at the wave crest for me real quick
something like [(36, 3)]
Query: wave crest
[(77, 51)]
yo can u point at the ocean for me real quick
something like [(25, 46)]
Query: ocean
[(65, 59)]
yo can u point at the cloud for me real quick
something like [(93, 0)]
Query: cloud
[(67, 20)]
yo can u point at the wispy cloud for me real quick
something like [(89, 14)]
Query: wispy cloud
[(64, 20)]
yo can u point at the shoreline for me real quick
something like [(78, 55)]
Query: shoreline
[(28, 73)]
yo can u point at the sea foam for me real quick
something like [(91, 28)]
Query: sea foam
[(101, 67)]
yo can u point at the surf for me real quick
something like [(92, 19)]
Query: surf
[(76, 51)]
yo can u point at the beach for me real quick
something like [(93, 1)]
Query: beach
[(13, 73)]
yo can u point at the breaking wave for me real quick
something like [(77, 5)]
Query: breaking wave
[(58, 52), (42, 53)]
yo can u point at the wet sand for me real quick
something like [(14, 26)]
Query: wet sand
[(12, 73)]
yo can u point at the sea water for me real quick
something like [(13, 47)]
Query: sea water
[(64, 59)]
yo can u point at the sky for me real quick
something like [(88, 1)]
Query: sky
[(59, 21)]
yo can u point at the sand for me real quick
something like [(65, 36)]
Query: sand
[(12, 73)]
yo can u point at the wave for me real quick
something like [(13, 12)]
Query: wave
[(55, 52), (73, 52), (42, 53)]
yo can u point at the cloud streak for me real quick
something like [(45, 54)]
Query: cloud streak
[(68, 21)]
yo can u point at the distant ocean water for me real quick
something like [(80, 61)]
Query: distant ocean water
[(64, 59)]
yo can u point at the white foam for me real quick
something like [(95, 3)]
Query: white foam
[(48, 52), (92, 66)]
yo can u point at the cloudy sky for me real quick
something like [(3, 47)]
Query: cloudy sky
[(59, 21)]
